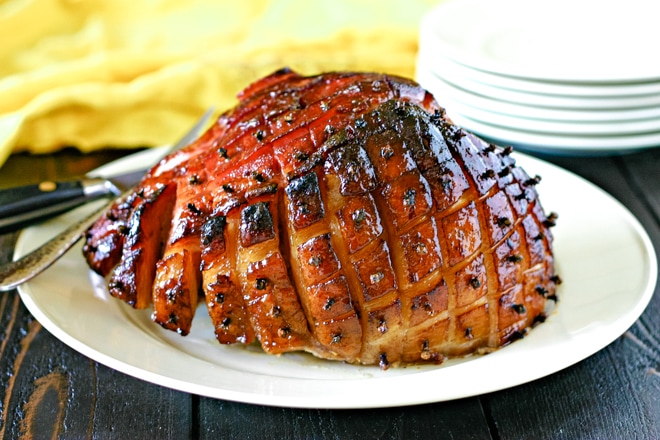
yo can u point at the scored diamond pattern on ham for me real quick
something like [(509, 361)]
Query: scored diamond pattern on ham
[(342, 214)]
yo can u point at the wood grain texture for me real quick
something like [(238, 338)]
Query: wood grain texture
[(643, 172), (52, 391), (462, 419)]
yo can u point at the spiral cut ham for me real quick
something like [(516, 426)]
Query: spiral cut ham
[(343, 215)]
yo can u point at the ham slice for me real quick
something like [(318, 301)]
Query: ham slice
[(343, 215)]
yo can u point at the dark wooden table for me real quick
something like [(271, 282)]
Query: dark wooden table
[(48, 390)]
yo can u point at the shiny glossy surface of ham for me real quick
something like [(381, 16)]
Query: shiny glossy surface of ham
[(343, 215)]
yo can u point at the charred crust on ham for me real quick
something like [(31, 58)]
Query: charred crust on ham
[(344, 215)]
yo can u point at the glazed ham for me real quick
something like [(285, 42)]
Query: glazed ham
[(341, 214)]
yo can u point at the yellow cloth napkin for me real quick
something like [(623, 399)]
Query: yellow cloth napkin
[(128, 73)]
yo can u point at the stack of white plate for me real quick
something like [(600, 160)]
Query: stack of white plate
[(562, 75)]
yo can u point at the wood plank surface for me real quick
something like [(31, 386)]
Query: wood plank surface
[(48, 390), (461, 419)]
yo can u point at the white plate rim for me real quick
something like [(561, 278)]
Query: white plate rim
[(555, 101), (568, 128), (529, 139), (548, 126), (414, 386), (441, 88), (558, 142), (446, 67)]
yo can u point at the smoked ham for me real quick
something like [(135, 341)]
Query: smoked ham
[(343, 215)]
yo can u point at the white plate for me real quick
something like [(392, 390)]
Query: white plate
[(601, 102), (557, 143), (527, 123), (603, 255), (441, 90), (459, 105), (447, 68), (562, 40), (571, 128)]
